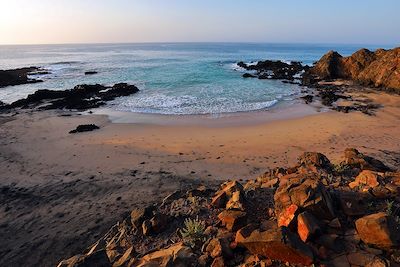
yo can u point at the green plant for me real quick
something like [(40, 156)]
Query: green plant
[(193, 232), (389, 207), (341, 167)]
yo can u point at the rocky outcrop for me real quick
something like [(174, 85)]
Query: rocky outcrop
[(18, 76), (299, 216), (275, 70), (82, 97), (380, 69)]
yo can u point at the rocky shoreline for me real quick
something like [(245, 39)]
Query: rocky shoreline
[(334, 77), (315, 213)]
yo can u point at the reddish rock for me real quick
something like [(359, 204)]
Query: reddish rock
[(175, 255), (277, 244), (218, 247), (233, 220), (379, 230), (376, 69), (367, 177), (360, 258), (314, 162), (219, 200), (306, 192), (218, 262), (287, 216), (98, 258), (236, 201), (358, 160), (307, 226)]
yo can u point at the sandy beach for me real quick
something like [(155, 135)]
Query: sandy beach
[(61, 191)]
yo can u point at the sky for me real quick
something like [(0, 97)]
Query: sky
[(270, 21)]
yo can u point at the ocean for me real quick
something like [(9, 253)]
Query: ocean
[(174, 78)]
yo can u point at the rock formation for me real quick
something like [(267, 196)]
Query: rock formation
[(309, 214), (18, 76), (379, 69), (82, 97)]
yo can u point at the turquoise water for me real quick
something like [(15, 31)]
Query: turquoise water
[(174, 78)]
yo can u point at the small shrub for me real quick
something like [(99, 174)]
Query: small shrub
[(341, 167), (193, 233), (389, 207)]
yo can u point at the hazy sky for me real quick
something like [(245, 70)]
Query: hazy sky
[(94, 21)]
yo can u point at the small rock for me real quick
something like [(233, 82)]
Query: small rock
[(233, 220), (84, 128), (307, 226)]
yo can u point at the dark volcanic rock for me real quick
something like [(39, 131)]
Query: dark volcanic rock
[(270, 69), (90, 72), (82, 97), (249, 75), (85, 128), (18, 76)]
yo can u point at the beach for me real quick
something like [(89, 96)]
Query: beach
[(61, 191)]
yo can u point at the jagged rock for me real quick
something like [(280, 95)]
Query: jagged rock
[(306, 192), (233, 220), (278, 244), (270, 69), (379, 229), (218, 247), (366, 177), (231, 196), (139, 215), (82, 97), (358, 160), (84, 128), (218, 262), (98, 258), (314, 162), (288, 215), (377, 69), (18, 76), (236, 201), (307, 226), (175, 255)]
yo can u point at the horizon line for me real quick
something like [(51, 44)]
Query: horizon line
[(202, 42)]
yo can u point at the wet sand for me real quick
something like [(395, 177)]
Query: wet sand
[(60, 192)]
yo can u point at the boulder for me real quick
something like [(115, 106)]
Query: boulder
[(379, 229), (84, 128), (307, 193), (18, 76), (98, 258), (314, 162), (277, 244), (307, 226), (358, 160), (233, 220), (367, 177), (175, 255)]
